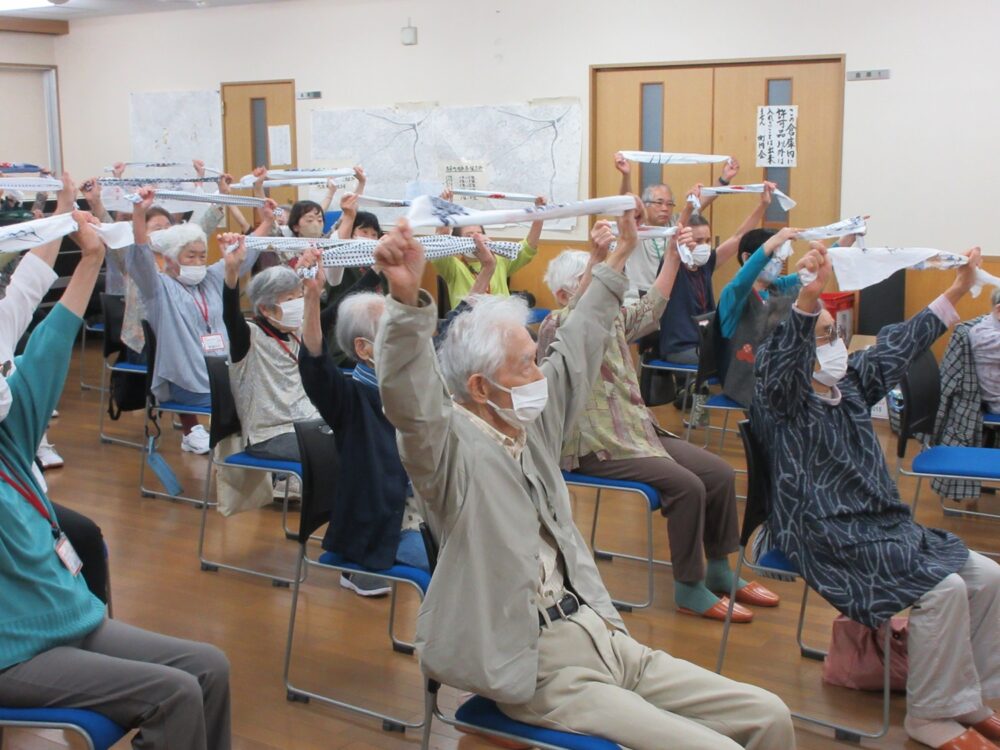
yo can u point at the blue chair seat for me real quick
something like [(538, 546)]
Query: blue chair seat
[(662, 364), (776, 559), (571, 477), (537, 314), (722, 401), (991, 419), (245, 460), (138, 369), (184, 408), (102, 731), (949, 460), (95, 327), (482, 712), (406, 572)]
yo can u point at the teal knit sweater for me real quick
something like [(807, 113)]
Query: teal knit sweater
[(41, 604)]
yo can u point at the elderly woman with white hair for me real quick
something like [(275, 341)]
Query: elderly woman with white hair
[(516, 610), (617, 437), (373, 521), (264, 356), (184, 307)]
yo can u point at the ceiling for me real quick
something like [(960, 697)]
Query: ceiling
[(74, 9)]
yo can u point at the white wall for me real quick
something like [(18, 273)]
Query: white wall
[(23, 120), (917, 148)]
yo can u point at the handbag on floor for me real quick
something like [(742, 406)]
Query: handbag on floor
[(856, 659)]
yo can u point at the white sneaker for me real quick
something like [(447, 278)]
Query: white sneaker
[(293, 485), (195, 441), (47, 456)]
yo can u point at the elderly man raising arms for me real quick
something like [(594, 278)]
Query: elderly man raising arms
[(516, 610)]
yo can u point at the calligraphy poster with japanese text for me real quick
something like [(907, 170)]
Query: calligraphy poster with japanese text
[(777, 135)]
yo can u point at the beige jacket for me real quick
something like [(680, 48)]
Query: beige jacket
[(478, 626)]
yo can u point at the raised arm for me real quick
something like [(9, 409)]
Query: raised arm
[(880, 368), (64, 204), (576, 354), (643, 315), (139, 262), (349, 212), (622, 165), (487, 266), (414, 396), (727, 249), (784, 365), (322, 380), (232, 316), (91, 190)]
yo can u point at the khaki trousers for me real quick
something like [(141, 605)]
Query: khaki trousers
[(598, 682)]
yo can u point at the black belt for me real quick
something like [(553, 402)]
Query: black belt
[(566, 606)]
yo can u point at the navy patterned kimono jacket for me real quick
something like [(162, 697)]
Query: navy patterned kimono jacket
[(835, 510)]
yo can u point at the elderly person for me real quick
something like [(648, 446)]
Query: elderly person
[(659, 205), (264, 356), (985, 340), (57, 647), (617, 437), (836, 513), (516, 610), (374, 521), (184, 307)]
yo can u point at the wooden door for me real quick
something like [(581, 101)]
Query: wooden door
[(817, 87), (253, 115), (712, 108)]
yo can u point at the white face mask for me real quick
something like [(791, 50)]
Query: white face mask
[(292, 312), (191, 275), (527, 402), (701, 253), (832, 359)]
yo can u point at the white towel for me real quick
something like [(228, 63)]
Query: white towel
[(16, 238), (371, 200), (786, 203), (659, 157), (858, 268), (430, 211), (498, 195), (31, 184)]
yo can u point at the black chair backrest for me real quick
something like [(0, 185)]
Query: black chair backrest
[(113, 313), (430, 545), (225, 420), (320, 473), (758, 503), (707, 365), (921, 387), (444, 300)]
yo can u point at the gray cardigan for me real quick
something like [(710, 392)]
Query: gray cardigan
[(478, 625)]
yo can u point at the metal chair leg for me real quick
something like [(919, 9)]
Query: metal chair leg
[(729, 611), (649, 558), (399, 646)]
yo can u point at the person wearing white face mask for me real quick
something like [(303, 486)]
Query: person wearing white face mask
[(374, 520), (750, 307), (184, 308), (617, 437), (517, 611), (264, 355), (836, 512)]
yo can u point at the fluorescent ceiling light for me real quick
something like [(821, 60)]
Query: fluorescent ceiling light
[(23, 4)]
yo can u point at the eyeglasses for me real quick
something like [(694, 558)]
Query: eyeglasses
[(830, 334), (661, 202)]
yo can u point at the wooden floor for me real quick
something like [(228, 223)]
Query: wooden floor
[(342, 645)]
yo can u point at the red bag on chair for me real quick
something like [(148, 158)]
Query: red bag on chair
[(856, 658)]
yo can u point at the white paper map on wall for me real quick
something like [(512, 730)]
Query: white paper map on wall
[(176, 126), (777, 136), (524, 148)]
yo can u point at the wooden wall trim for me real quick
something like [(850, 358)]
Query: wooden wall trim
[(33, 25)]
